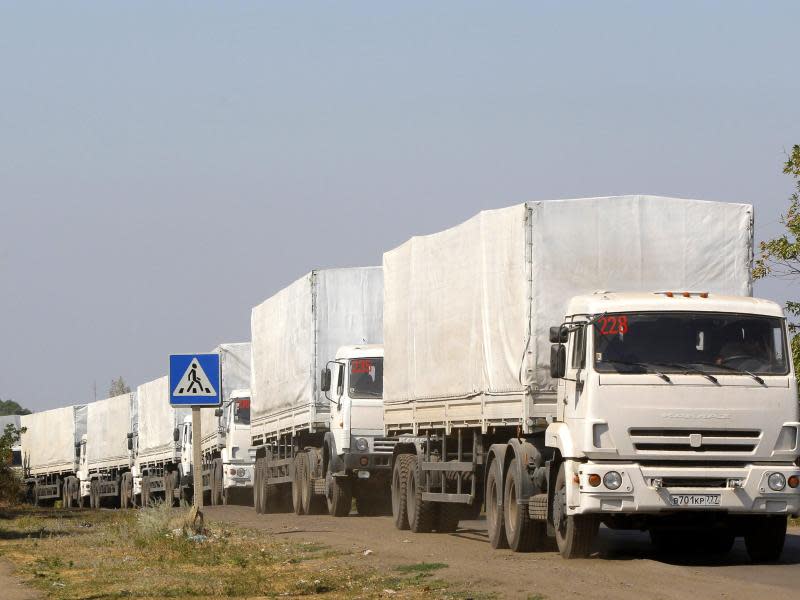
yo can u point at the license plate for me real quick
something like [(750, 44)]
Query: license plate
[(695, 499)]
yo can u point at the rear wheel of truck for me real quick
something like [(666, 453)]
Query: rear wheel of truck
[(574, 533), (339, 494), (523, 533), (298, 482), (494, 510), (258, 477), (170, 481), (145, 491), (94, 499), (399, 479), (216, 482), (126, 491), (765, 538), (421, 513)]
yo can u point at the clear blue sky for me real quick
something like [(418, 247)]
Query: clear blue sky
[(165, 166)]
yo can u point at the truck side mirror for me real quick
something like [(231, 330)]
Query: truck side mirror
[(558, 361), (559, 335), (176, 435), (218, 412), (325, 380)]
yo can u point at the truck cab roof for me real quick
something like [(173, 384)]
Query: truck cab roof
[(677, 300), (360, 351)]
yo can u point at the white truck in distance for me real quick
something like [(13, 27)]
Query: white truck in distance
[(105, 461), (663, 408), (228, 457), (50, 454), (319, 449)]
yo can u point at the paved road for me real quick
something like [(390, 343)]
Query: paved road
[(625, 565)]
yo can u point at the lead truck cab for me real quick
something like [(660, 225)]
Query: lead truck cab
[(677, 413)]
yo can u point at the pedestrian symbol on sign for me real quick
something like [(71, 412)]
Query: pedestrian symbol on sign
[(194, 382)]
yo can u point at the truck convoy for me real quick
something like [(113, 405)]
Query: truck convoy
[(228, 457), (578, 362), (562, 364), (317, 412)]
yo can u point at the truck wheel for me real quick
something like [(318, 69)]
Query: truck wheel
[(213, 476), (339, 496), (298, 482), (522, 533), (764, 540), (494, 511), (421, 513), (65, 493), (169, 490), (574, 533), (257, 485), (399, 479), (145, 491), (126, 491)]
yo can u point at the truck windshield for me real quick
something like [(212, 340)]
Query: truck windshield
[(366, 378), (241, 411), (683, 342)]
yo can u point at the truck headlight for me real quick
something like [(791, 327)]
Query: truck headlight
[(612, 480), (776, 482), (240, 472), (362, 445)]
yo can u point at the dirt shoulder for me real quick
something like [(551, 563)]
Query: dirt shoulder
[(12, 588), (625, 565)]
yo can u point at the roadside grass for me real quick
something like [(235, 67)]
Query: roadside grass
[(153, 553)]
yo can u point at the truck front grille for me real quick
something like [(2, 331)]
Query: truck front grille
[(694, 482), (695, 440), (384, 444)]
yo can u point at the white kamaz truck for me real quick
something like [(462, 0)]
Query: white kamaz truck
[(582, 362), (317, 417), (228, 457), (105, 462), (155, 444), (50, 453)]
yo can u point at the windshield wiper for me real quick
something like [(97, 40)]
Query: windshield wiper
[(649, 368), (691, 369), (735, 370)]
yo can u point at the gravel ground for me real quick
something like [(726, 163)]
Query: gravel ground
[(624, 566)]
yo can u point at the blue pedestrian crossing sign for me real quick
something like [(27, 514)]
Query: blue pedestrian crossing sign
[(194, 380)]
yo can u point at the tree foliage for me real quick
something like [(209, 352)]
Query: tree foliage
[(118, 387), (9, 478), (9, 407), (780, 257)]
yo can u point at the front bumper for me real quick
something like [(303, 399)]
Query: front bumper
[(237, 475), (370, 461), (649, 489)]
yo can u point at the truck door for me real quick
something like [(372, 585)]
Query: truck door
[(340, 408), (575, 373)]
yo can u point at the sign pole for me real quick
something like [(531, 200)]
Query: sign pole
[(197, 458)]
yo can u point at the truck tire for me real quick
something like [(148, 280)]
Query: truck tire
[(523, 534), (339, 494), (298, 483), (65, 494), (126, 491), (494, 511), (421, 513), (94, 498), (765, 538), (257, 478), (574, 533), (145, 491), (216, 482), (169, 489), (399, 480)]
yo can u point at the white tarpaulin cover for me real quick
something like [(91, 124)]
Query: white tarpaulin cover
[(107, 432), (460, 310), (157, 419), (235, 366), (48, 445), (299, 329)]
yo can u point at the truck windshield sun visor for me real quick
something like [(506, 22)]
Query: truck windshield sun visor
[(700, 343)]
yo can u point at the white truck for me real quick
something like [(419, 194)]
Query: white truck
[(50, 453), (104, 459), (228, 457), (317, 416), (155, 443), (668, 405)]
